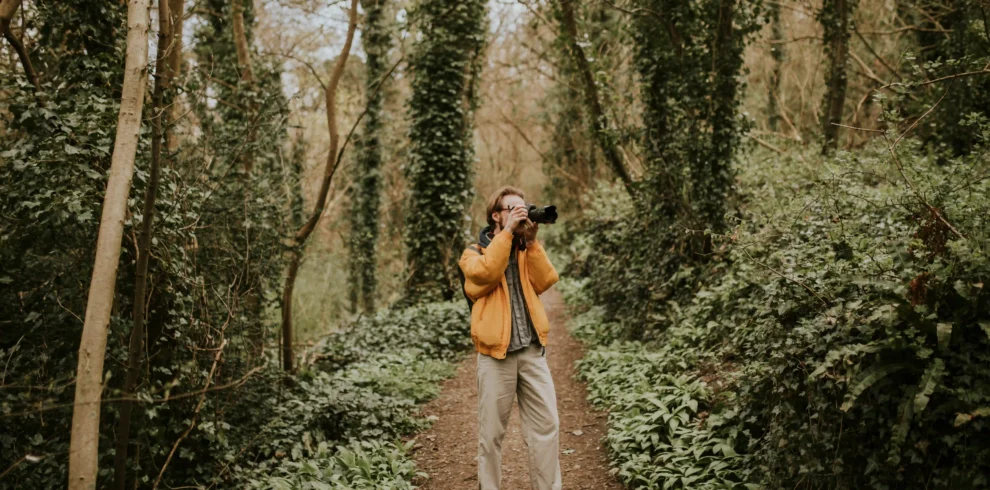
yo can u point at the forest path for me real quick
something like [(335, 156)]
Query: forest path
[(447, 450)]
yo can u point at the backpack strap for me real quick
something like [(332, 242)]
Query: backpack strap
[(480, 251)]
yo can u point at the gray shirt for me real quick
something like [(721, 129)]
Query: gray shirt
[(523, 333)]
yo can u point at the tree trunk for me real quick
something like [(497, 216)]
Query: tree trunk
[(84, 445), (713, 176), (247, 75), (299, 241), (777, 54), (605, 140), (834, 18), (7, 10), (136, 346), (366, 200), (177, 10)]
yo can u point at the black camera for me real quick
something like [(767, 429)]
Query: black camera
[(542, 214)]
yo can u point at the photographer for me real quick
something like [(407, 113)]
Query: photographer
[(504, 275)]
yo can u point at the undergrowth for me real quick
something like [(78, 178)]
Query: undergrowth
[(837, 337), (340, 426)]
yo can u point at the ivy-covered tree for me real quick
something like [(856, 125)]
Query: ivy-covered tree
[(366, 191), (603, 132), (834, 17), (445, 64), (777, 55), (953, 39), (689, 57)]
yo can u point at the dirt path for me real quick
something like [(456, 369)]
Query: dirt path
[(447, 450)]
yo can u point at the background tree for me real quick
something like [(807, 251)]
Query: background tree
[(835, 16), (135, 350), (777, 54), (445, 63), (332, 163), (688, 56), (603, 131), (84, 446), (952, 38), (366, 190), (8, 8)]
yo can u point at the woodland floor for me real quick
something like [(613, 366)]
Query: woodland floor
[(447, 451)]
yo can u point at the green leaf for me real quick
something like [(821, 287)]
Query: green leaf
[(985, 326), (929, 381), (868, 378), (944, 333), (964, 418)]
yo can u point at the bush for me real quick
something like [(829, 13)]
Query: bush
[(338, 425), (838, 339), (357, 466), (440, 330)]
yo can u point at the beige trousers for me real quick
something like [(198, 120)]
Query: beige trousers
[(523, 373)]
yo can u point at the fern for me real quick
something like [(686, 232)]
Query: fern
[(868, 378), (844, 352), (905, 412), (932, 377)]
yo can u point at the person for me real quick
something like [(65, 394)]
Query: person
[(505, 272)]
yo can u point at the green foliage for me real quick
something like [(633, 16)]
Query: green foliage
[(953, 37), (689, 55), (440, 330), (362, 397), (357, 466), (835, 342), (445, 62), (215, 253)]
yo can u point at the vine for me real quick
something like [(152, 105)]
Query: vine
[(445, 63), (366, 196)]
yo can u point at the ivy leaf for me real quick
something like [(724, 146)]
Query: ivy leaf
[(72, 150)]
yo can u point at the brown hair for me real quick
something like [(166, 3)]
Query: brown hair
[(495, 202)]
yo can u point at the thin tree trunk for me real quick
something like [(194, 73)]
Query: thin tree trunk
[(136, 346), (375, 36), (7, 10), (240, 42), (835, 21), (605, 140), (177, 10), (84, 445), (247, 73), (777, 54), (299, 241)]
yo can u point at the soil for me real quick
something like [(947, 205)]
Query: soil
[(447, 451)]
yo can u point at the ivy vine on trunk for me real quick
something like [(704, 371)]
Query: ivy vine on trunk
[(834, 17), (444, 63), (366, 192)]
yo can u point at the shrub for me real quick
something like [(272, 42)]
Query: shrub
[(839, 338)]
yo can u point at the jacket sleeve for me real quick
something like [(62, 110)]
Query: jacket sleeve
[(542, 274), (483, 272)]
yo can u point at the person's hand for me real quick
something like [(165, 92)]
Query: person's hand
[(530, 230), (517, 217)]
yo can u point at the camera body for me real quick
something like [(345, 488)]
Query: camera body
[(544, 215)]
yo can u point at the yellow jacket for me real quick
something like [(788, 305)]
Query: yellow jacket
[(484, 274)]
